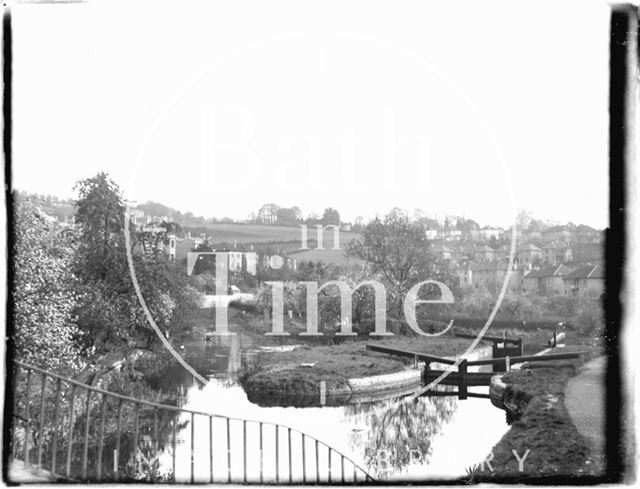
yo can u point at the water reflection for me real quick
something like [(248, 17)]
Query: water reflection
[(429, 437)]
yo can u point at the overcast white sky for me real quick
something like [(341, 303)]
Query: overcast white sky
[(474, 108)]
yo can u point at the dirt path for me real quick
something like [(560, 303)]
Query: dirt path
[(585, 401)]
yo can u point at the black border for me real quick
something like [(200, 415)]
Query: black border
[(7, 132), (620, 461)]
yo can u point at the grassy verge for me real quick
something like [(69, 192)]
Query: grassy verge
[(556, 449), (534, 340)]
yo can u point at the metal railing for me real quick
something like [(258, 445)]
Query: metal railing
[(77, 432)]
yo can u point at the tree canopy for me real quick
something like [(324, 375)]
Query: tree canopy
[(45, 292)]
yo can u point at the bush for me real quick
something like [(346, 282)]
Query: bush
[(244, 306)]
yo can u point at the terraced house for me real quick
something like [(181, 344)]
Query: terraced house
[(546, 281), (587, 281)]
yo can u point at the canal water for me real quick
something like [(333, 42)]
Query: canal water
[(432, 437)]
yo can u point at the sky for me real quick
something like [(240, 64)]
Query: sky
[(474, 108)]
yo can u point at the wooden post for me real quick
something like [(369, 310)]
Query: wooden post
[(462, 379), (519, 347), (323, 392), (507, 364)]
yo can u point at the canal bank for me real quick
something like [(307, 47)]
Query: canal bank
[(333, 374), (543, 430), (407, 380)]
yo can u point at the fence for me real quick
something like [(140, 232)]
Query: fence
[(77, 432)]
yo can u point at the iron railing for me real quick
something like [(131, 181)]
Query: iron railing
[(77, 432)]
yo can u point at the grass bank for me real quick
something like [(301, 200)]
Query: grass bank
[(283, 375), (556, 449)]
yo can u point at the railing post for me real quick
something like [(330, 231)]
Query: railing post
[(103, 408), (261, 456), (507, 363), (228, 450), (41, 434), (71, 422), (304, 460), (211, 449), (317, 463), (155, 442), (173, 448), (244, 451), (16, 406), (192, 446), (289, 445), (277, 455), (462, 379), (27, 417), (85, 450), (136, 432), (116, 454)]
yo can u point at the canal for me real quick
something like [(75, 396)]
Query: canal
[(432, 437)]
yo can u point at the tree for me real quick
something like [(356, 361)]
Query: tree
[(330, 216), (44, 292), (286, 216), (398, 251), (100, 216), (523, 219), (110, 313)]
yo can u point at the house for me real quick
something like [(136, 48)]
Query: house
[(500, 253), (453, 235), (461, 252), (235, 261), (173, 241), (556, 252), (250, 264), (587, 281), (268, 214), (238, 261), (587, 234), (488, 274), (545, 281), (432, 233), (442, 251), (557, 233), (464, 275), (471, 234), (532, 235), (487, 233), (483, 253), (528, 254)]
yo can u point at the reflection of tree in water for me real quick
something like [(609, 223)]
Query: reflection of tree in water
[(400, 434)]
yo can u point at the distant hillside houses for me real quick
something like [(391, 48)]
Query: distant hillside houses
[(237, 261), (546, 270)]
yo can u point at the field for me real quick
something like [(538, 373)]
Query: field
[(334, 257), (261, 233), (283, 239)]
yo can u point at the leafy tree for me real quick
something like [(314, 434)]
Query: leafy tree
[(44, 292), (110, 312), (398, 251), (286, 216), (100, 216), (330, 216)]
